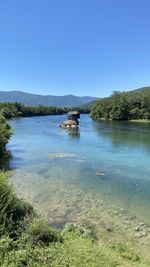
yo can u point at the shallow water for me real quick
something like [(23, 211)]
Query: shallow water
[(60, 172)]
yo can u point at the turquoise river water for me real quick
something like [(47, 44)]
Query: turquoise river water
[(59, 171)]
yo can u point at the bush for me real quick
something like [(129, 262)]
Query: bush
[(81, 230), (13, 211), (39, 233), (126, 251), (5, 134)]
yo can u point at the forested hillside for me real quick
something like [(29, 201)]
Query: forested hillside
[(45, 100), (133, 105)]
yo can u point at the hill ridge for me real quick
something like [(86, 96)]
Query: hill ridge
[(31, 99)]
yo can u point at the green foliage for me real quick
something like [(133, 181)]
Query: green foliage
[(74, 251), (13, 211), (86, 231), (123, 106), (5, 134), (126, 251), (14, 110), (39, 233), (37, 244)]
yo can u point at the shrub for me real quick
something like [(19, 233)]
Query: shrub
[(13, 211), (40, 233), (5, 134), (126, 251), (81, 230)]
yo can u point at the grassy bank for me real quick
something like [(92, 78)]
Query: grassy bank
[(141, 121), (110, 120), (27, 240)]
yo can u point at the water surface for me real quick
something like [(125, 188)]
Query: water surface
[(60, 172)]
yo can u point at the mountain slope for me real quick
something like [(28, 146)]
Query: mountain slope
[(139, 90), (90, 104), (46, 100)]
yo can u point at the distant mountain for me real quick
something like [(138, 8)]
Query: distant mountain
[(90, 104), (46, 100), (139, 90)]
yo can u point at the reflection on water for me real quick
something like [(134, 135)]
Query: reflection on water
[(110, 161), (125, 133), (73, 133)]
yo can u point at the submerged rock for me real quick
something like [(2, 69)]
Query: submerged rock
[(137, 229), (138, 235), (61, 155), (144, 233), (109, 228), (141, 223), (99, 174), (80, 160)]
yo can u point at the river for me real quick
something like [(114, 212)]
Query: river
[(69, 175)]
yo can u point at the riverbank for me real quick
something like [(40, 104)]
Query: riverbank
[(110, 120), (35, 242), (60, 203), (141, 121), (88, 181)]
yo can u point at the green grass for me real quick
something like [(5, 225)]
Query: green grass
[(27, 240), (74, 251)]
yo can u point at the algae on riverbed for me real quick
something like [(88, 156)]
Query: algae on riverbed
[(35, 243)]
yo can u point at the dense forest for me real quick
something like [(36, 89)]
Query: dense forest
[(123, 106), (13, 110)]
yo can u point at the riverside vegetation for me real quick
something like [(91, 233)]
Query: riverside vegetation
[(5, 134), (27, 240), (134, 105), (14, 110)]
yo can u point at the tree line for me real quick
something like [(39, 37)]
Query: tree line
[(13, 110), (123, 106)]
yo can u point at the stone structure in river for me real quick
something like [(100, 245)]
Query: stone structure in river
[(72, 121)]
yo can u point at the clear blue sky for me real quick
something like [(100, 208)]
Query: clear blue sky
[(82, 47)]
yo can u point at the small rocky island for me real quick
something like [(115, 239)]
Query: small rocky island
[(72, 122)]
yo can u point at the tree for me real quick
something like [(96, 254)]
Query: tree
[(5, 134)]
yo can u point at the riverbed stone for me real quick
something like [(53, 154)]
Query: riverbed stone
[(138, 235), (141, 223), (116, 212), (144, 233), (109, 228), (131, 217), (137, 228)]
